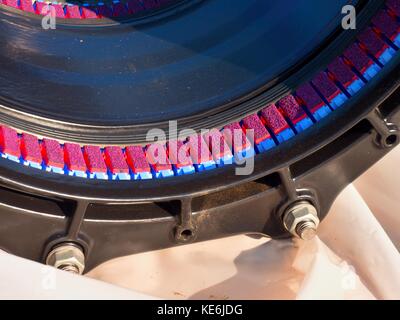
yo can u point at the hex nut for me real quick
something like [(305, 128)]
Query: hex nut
[(68, 257), (301, 220)]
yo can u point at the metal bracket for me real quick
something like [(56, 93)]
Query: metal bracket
[(294, 194), (186, 231), (387, 134), (72, 235)]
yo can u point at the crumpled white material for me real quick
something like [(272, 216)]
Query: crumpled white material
[(356, 256)]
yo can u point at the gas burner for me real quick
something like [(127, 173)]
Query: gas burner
[(309, 105)]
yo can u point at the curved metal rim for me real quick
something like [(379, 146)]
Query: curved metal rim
[(55, 186)]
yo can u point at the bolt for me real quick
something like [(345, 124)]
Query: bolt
[(301, 220), (68, 257)]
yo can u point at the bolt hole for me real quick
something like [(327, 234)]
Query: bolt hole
[(186, 234), (391, 140)]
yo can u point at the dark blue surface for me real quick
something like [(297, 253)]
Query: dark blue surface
[(186, 64)]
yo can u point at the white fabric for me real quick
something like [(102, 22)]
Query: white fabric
[(24, 279), (356, 256)]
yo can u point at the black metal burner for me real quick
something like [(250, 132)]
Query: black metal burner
[(207, 65)]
